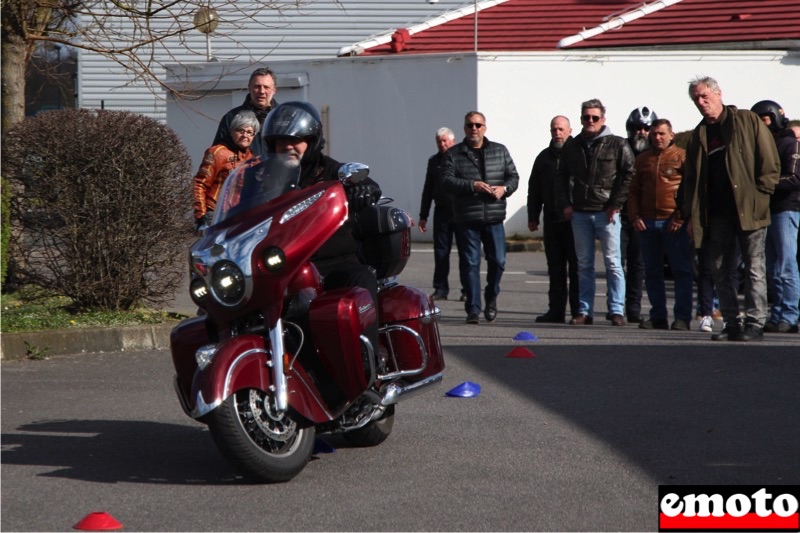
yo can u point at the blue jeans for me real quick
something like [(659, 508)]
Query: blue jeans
[(443, 229), (655, 240), (469, 239), (782, 273), (586, 226)]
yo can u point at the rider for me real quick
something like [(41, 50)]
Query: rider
[(295, 129)]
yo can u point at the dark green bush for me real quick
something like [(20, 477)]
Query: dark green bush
[(103, 199)]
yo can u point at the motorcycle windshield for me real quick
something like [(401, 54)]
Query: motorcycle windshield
[(256, 182)]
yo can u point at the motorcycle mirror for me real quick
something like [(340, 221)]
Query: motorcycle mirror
[(350, 173)]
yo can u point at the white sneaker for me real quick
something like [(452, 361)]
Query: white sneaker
[(707, 324)]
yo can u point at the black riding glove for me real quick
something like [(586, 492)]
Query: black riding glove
[(363, 194), (204, 220)]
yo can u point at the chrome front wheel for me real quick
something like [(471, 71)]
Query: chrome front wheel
[(263, 445)]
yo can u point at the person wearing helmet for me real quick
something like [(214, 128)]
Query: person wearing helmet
[(638, 127), (295, 129), (784, 207), (771, 114)]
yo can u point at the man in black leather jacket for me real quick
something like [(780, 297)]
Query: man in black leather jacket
[(592, 185), (261, 90), (295, 129), (480, 175)]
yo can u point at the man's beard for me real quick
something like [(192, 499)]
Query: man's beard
[(292, 158), (640, 144)]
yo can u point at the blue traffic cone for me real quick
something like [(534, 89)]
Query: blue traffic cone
[(525, 336), (467, 389)]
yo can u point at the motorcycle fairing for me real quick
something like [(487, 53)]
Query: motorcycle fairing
[(255, 230)]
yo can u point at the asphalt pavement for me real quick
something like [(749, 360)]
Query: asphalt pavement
[(575, 437)]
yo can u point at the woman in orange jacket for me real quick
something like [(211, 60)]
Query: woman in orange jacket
[(219, 161)]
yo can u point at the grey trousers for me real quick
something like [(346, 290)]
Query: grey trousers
[(728, 245)]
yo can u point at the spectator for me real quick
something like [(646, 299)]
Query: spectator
[(653, 213), (638, 129), (262, 87), (443, 227), (480, 175), (219, 160), (559, 246), (731, 157), (781, 247), (593, 179)]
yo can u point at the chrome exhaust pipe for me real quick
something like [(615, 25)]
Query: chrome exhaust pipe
[(395, 392)]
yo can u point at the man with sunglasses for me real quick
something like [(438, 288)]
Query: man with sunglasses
[(592, 185), (480, 175)]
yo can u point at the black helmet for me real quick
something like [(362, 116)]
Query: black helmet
[(296, 120), (641, 116), (778, 120)]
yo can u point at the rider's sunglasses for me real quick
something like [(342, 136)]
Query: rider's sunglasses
[(593, 118), (476, 125)]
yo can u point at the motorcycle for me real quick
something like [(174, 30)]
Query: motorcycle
[(276, 359)]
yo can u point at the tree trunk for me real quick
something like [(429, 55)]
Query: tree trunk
[(13, 78)]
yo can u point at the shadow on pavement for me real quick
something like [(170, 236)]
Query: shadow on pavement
[(110, 451), (723, 414)]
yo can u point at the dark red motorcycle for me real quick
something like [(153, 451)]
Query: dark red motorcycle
[(277, 359)]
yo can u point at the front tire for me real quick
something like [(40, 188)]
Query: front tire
[(263, 446), (373, 433)]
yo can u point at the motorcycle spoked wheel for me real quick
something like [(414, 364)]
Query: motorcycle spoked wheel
[(263, 446), (373, 433)]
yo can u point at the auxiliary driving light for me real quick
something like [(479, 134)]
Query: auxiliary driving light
[(204, 354), (274, 259), (199, 292)]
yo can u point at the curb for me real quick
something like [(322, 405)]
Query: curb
[(86, 340), (524, 246)]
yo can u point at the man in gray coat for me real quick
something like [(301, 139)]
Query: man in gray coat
[(480, 175)]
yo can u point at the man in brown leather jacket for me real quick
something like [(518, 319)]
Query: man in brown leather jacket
[(653, 213)]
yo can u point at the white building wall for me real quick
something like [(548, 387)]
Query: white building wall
[(520, 93), (384, 110)]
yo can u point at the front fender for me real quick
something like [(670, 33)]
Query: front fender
[(242, 363), (238, 363)]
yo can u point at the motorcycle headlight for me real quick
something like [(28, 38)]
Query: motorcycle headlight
[(199, 292), (227, 281)]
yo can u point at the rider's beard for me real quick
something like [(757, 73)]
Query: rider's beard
[(640, 144), (294, 158)]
